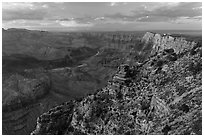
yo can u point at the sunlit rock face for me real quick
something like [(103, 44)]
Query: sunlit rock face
[(159, 43), (162, 95)]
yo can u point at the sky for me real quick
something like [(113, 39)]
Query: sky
[(102, 16)]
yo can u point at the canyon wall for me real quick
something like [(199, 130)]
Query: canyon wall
[(159, 43), (20, 103), (19, 91), (159, 96)]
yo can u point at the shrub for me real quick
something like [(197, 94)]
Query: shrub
[(159, 63), (195, 67), (180, 89), (170, 51)]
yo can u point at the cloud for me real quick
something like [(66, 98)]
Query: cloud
[(99, 18), (180, 10), (166, 12), (73, 23), (19, 11), (21, 23), (13, 6), (25, 14), (79, 15), (113, 4), (187, 20)]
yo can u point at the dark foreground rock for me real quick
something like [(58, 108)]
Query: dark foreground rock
[(162, 95)]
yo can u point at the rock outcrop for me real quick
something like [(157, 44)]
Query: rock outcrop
[(160, 43), (57, 118), (161, 95), (19, 91), (20, 121), (121, 41)]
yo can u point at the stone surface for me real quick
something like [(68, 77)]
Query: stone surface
[(161, 96), (160, 43), (19, 91)]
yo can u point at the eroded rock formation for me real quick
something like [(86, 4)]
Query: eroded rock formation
[(161, 95), (159, 43), (19, 106), (19, 91)]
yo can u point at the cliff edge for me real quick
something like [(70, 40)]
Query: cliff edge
[(162, 95)]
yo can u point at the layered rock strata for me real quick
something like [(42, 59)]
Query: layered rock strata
[(160, 96), (19, 91), (159, 43)]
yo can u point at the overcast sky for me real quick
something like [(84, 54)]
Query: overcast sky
[(103, 16)]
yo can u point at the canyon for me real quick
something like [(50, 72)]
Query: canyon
[(153, 97), (100, 83)]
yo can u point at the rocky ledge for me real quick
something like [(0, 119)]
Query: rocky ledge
[(162, 95)]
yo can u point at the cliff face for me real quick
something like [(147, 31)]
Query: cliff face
[(18, 91), (162, 95), (123, 42), (20, 120), (159, 43)]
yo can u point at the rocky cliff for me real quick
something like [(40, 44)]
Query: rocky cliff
[(19, 91), (162, 42), (124, 42), (162, 95), (19, 108)]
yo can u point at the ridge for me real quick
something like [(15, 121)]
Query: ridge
[(152, 97)]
